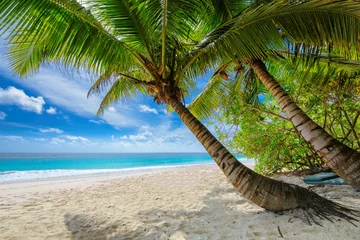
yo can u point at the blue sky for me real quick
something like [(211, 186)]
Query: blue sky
[(49, 112)]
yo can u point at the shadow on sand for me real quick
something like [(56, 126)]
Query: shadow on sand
[(220, 214)]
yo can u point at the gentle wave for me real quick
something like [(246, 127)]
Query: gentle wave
[(14, 176), (28, 175)]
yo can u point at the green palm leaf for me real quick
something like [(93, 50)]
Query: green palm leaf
[(318, 71), (209, 98), (123, 18), (60, 31), (257, 32), (123, 89), (112, 37), (244, 86)]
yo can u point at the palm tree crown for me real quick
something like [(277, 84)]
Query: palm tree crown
[(140, 46)]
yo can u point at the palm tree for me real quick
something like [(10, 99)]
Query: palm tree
[(240, 113), (293, 24), (342, 159), (146, 47)]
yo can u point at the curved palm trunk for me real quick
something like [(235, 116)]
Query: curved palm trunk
[(263, 191), (344, 160)]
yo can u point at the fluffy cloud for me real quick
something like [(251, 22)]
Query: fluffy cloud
[(144, 108), (165, 137), (111, 109), (134, 137), (143, 134), (40, 139), (97, 121), (51, 130), (57, 141), (72, 140), (2, 115), (51, 110), (13, 138), (75, 138), (73, 98), (14, 96)]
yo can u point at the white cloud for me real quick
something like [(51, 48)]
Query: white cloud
[(51, 130), (144, 130), (40, 139), (166, 137), (13, 138), (73, 98), (144, 108), (2, 115), (72, 141), (64, 117), (14, 96), (162, 138), (137, 137), (143, 134), (57, 141), (111, 109), (75, 138), (97, 121), (51, 110)]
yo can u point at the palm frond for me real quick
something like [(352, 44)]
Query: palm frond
[(61, 31), (317, 71), (195, 64), (244, 85), (258, 31), (163, 34), (123, 20), (123, 89), (223, 10), (187, 85), (102, 82), (249, 88), (136, 76), (210, 97), (181, 18)]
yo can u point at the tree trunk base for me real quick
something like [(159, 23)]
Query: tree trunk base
[(316, 209)]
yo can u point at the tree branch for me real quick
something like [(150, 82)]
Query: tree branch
[(268, 112)]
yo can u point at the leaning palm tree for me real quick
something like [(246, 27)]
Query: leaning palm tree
[(147, 47), (243, 94), (312, 22)]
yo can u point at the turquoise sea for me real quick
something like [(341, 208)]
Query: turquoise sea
[(30, 166)]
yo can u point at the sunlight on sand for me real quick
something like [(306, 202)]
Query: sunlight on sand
[(183, 203)]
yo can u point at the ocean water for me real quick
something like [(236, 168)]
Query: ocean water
[(30, 166)]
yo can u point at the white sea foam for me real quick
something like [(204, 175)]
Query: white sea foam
[(15, 176)]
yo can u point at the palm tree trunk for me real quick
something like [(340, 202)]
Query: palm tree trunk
[(263, 191), (342, 159)]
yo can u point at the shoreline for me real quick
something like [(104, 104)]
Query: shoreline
[(195, 202), (101, 173), (41, 185), (91, 173)]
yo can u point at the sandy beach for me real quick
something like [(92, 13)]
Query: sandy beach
[(180, 203)]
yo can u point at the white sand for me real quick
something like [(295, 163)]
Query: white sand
[(182, 203)]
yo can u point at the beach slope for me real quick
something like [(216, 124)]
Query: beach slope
[(180, 203)]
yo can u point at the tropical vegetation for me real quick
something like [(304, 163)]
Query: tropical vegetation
[(250, 122), (342, 159)]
